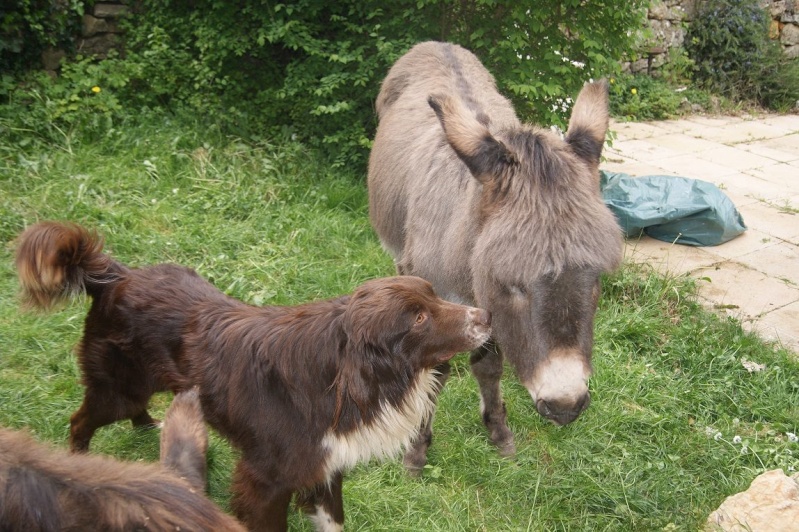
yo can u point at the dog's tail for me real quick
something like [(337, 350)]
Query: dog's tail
[(184, 439), (56, 261)]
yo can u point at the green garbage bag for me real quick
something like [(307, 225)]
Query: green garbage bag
[(672, 209)]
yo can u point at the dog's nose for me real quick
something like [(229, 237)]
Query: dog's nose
[(482, 317)]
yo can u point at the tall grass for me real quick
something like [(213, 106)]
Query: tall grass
[(271, 224)]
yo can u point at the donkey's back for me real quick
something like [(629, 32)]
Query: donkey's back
[(409, 148)]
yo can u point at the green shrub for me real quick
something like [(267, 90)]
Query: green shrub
[(82, 103), (642, 97), (733, 55), (311, 69), (29, 26)]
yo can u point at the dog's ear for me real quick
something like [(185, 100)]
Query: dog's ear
[(355, 387)]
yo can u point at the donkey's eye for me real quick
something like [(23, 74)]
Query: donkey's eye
[(420, 318)]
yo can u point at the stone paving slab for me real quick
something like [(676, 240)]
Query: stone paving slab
[(778, 325), (744, 189), (784, 174), (668, 258), (755, 161), (693, 165), (779, 260), (772, 220), (733, 157), (769, 150), (789, 143), (619, 163), (750, 242), (635, 130), (743, 291)]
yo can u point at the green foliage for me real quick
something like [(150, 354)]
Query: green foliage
[(734, 56), (29, 26), (542, 52), (678, 68), (642, 97), (311, 69), (81, 104)]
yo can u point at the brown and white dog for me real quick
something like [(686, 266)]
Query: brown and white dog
[(304, 392), (47, 489)]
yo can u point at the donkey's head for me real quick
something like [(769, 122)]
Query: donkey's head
[(545, 238)]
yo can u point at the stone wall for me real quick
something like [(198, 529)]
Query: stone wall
[(100, 33), (785, 25), (668, 20)]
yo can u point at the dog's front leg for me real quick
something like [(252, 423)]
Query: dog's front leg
[(416, 455), (325, 505), (260, 505)]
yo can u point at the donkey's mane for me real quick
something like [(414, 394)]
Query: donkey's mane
[(550, 202)]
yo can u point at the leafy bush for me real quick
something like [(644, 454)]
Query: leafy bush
[(642, 97), (83, 99), (733, 55), (311, 69), (29, 26)]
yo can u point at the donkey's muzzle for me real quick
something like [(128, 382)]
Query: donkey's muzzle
[(562, 412)]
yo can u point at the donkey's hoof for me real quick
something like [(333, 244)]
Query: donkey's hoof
[(504, 443), (506, 449)]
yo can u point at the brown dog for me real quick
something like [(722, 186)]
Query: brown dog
[(304, 392), (47, 489)]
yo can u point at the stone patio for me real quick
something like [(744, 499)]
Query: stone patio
[(755, 161)]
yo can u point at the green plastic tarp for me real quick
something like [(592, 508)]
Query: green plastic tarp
[(673, 209)]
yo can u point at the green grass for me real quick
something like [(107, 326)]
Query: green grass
[(272, 224)]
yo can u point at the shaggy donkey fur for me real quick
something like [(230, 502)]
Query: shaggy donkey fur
[(499, 214)]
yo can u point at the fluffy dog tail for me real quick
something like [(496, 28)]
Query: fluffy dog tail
[(57, 261), (47, 489), (184, 439)]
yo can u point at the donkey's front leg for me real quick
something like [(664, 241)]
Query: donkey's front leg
[(416, 456), (486, 362)]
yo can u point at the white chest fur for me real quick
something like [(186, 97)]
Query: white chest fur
[(391, 431)]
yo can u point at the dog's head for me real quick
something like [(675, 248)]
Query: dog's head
[(402, 318), (395, 328)]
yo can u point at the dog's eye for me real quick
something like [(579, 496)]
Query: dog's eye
[(421, 318)]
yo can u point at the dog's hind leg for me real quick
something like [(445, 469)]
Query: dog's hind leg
[(91, 415), (102, 407), (416, 456), (144, 420)]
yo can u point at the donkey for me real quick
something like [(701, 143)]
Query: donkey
[(498, 214)]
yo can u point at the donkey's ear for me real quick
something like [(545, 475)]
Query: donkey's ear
[(589, 122), (484, 155)]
